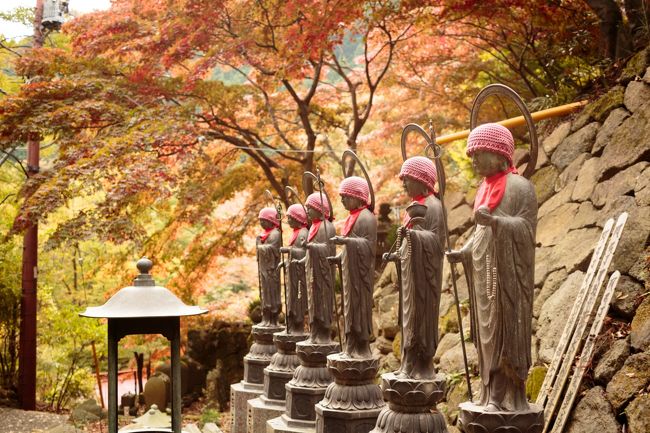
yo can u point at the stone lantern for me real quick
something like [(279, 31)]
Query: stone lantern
[(143, 308)]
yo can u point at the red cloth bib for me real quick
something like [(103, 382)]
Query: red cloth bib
[(351, 219), (315, 225), (266, 234), (294, 236), (492, 189), (420, 199)]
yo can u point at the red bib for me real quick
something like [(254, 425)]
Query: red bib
[(294, 236), (315, 225), (492, 189), (266, 234), (351, 219)]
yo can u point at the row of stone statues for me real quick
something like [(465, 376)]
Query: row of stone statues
[(499, 264)]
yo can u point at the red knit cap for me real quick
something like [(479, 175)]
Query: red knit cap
[(314, 200), (297, 212), (355, 186), (271, 215), (491, 137), (421, 169)]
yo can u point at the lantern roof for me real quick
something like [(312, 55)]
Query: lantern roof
[(143, 299)]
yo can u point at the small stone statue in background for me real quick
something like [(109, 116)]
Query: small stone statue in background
[(359, 236), (420, 256), (499, 260), (320, 273), (268, 258), (296, 279)]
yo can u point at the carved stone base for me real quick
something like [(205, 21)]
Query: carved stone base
[(240, 393), (260, 410), (409, 405), (474, 419), (340, 421), (260, 353), (284, 424), (353, 402), (283, 364), (310, 380)]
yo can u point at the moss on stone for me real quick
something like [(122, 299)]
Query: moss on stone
[(534, 382), (636, 66), (604, 105), (448, 323), (397, 345)]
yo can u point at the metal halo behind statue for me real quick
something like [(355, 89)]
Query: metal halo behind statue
[(431, 146), (349, 153), (291, 191), (500, 89), (308, 176), (271, 199)]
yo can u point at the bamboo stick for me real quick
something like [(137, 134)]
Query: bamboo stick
[(519, 120)]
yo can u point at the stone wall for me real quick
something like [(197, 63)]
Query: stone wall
[(590, 168), (219, 351)]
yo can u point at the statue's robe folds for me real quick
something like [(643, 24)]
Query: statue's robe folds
[(268, 258), (500, 263), (320, 283), (297, 283), (358, 265), (421, 257)]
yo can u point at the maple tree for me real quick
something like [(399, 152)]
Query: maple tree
[(155, 102), (163, 122)]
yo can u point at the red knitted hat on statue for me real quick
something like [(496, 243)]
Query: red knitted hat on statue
[(491, 137), (355, 186), (297, 212), (421, 169), (314, 200), (270, 214)]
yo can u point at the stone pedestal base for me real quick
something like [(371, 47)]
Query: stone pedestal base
[(409, 405), (284, 424), (474, 419), (260, 353), (282, 366), (353, 402), (310, 380), (240, 393), (262, 409)]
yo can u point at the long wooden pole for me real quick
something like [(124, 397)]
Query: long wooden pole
[(28, 302), (519, 120)]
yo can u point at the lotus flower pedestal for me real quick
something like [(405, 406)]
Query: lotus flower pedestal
[(310, 381), (352, 403)]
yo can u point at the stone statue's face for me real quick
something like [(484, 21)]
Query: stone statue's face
[(351, 203), (487, 163), (313, 214), (293, 223), (413, 187), (266, 225)]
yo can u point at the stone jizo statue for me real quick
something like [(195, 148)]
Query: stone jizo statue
[(319, 271), (296, 278), (420, 257), (499, 260), (268, 258), (359, 240)]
